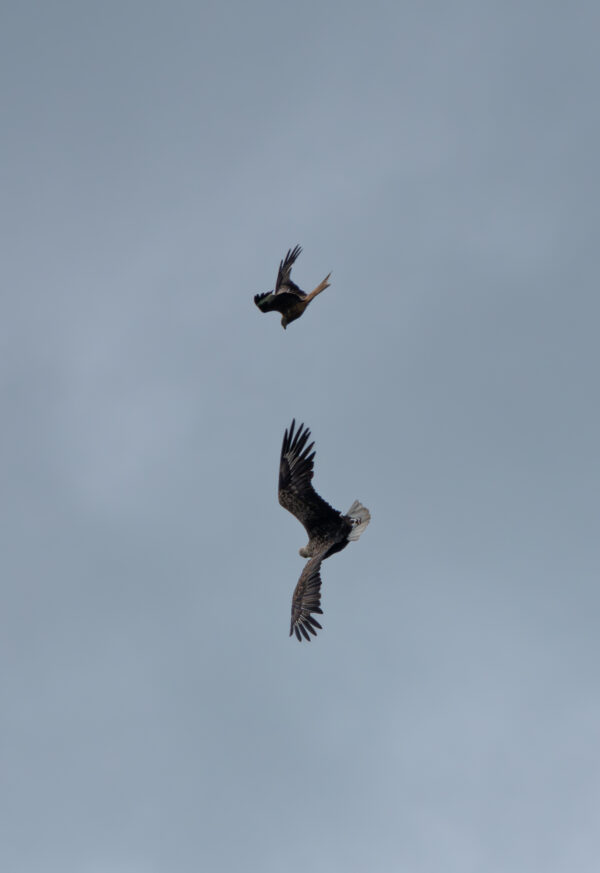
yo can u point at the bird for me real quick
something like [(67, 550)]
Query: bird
[(329, 531), (287, 298)]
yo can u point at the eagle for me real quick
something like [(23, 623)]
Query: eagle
[(329, 531), (287, 298)]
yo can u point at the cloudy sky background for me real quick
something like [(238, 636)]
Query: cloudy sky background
[(442, 161)]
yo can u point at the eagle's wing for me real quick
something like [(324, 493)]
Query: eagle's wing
[(279, 302), (296, 493), (306, 600), (284, 284)]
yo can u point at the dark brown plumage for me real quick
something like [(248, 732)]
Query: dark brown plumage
[(307, 600), (287, 298), (329, 531)]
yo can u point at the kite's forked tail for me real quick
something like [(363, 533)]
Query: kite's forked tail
[(320, 287), (359, 517)]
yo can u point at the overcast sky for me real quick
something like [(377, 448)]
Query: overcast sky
[(158, 159)]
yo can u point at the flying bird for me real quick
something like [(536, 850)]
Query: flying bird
[(287, 298), (329, 531)]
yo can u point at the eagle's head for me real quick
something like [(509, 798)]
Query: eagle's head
[(284, 322), (304, 552)]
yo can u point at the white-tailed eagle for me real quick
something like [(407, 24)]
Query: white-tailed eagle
[(329, 531)]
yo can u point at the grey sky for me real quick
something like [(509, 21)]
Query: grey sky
[(442, 161)]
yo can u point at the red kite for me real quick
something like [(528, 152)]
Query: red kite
[(287, 298)]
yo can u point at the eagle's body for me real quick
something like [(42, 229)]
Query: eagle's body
[(287, 298), (329, 531)]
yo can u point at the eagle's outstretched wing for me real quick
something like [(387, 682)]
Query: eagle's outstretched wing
[(284, 284), (306, 600), (296, 494)]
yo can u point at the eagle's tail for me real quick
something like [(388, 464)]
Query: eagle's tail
[(359, 517), (320, 287)]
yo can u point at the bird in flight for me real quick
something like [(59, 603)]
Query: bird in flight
[(329, 531), (287, 298)]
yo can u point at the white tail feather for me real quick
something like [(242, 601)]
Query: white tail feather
[(360, 516)]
